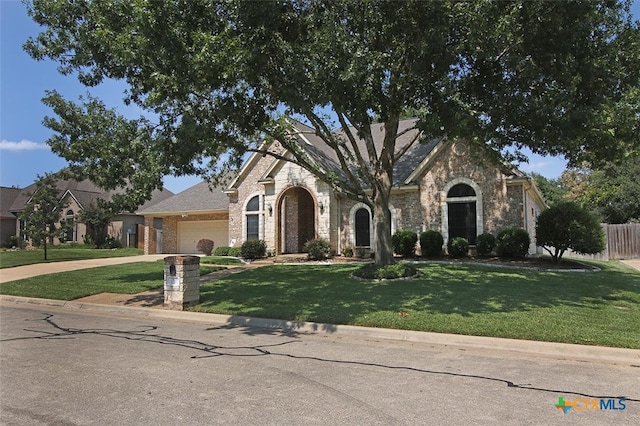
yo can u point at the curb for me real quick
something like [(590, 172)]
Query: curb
[(562, 351)]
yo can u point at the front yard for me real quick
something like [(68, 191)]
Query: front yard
[(597, 308), (11, 258)]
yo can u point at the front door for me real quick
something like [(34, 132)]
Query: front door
[(296, 220)]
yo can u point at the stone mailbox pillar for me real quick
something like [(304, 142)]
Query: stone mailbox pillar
[(181, 282)]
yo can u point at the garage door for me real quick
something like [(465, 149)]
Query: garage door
[(189, 233)]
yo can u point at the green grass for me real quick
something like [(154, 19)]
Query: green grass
[(130, 278), (601, 308), (9, 259)]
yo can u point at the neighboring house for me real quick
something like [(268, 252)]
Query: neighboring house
[(78, 194), (8, 221), (176, 224), (449, 186)]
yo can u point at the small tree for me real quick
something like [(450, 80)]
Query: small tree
[(97, 216), (569, 226), (41, 214)]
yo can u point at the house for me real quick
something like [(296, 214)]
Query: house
[(452, 187), (8, 221), (123, 227), (176, 224)]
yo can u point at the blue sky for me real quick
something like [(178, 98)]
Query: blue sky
[(23, 81)]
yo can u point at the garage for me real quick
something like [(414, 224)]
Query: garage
[(189, 233)]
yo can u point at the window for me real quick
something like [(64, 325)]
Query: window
[(363, 228), (253, 218), (68, 224), (461, 212)]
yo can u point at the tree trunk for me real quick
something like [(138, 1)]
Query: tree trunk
[(382, 245)]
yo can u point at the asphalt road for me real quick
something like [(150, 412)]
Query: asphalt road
[(61, 367)]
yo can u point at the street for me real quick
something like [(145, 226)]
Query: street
[(62, 367)]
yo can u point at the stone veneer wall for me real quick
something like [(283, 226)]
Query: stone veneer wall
[(420, 210), (288, 176)]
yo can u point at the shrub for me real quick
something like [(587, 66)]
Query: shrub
[(389, 272), (253, 249), (512, 242), (485, 243), (235, 251), (347, 252), (205, 246), (431, 243), (221, 251), (317, 249), (458, 247), (404, 242), (14, 241), (565, 226)]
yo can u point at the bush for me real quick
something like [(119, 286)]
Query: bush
[(221, 251), (458, 247), (235, 251), (431, 243), (485, 243), (317, 249), (205, 246), (14, 242), (566, 226), (347, 252), (404, 242), (512, 242), (253, 249), (388, 272)]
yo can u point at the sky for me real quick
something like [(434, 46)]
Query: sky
[(23, 81)]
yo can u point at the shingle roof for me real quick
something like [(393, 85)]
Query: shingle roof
[(7, 197), (84, 192), (198, 198), (403, 167)]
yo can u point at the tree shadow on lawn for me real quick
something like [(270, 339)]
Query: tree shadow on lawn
[(327, 294)]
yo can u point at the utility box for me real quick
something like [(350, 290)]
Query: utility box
[(181, 282)]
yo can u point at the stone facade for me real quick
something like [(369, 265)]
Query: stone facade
[(181, 281), (289, 196)]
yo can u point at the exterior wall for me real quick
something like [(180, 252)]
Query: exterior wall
[(498, 205), (272, 199), (170, 229)]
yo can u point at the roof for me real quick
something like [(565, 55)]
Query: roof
[(406, 170), (198, 198), (84, 193), (7, 197)]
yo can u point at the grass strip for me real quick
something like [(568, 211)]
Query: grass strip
[(9, 259)]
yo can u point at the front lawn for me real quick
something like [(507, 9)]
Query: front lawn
[(9, 258), (129, 278), (599, 308)]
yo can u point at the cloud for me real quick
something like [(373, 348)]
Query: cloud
[(23, 145)]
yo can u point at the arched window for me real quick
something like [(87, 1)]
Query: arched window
[(253, 218), (363, 228), (461, 212), (69, 227)]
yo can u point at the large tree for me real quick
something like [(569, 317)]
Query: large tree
[(219, 77)]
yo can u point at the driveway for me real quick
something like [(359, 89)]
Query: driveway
[(28, 271)]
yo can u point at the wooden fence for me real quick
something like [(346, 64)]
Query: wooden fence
[(623, 242)]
